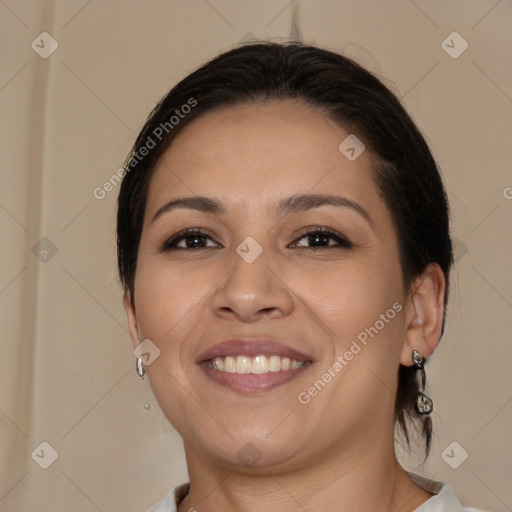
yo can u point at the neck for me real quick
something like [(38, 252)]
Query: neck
[(344, 479)]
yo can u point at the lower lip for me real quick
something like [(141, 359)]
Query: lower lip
[(251, 382)]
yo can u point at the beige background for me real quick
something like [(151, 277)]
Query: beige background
[(66, 364)]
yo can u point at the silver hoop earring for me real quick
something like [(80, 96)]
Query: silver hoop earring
[(139, 369), (423, 404)]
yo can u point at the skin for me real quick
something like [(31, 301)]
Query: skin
[(336, 452)]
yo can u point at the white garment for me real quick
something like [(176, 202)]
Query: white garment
[(443, 500)]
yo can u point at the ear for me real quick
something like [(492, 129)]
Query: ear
[(131, 315), (424, 314)]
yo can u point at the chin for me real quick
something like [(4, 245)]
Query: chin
[(253, 453)]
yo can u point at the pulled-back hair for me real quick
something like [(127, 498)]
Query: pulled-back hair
[(404, 170)]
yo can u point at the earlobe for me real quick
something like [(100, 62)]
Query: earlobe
[(424, 314), (131, 315)]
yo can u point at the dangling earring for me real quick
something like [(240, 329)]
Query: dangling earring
[(423, 404), (140, 370)]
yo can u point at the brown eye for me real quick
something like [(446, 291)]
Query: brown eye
[(188, 239), (322, 237)]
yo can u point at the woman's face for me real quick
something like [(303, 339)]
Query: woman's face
[(254, 275)]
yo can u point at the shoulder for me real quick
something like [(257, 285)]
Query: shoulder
[(444, 500), (171, 500)]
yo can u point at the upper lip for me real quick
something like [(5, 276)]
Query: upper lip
[(250, 347)]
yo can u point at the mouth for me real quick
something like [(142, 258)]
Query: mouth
[(252, 365), (258, 365)]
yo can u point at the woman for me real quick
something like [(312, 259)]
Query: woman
[(284, 246)]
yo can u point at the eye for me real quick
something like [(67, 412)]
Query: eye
[(188, 239), (321, 237), (310, 239)]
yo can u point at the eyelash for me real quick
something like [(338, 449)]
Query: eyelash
[(343, 242)]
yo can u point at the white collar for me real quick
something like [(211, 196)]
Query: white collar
[(443, 500)]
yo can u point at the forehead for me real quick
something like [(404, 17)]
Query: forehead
[(250, 154)]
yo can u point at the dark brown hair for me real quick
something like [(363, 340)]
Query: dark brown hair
[(404, 169)]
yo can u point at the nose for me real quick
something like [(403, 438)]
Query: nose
[(253, 291)]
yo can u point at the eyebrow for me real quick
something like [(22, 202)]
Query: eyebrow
[(295, 203)]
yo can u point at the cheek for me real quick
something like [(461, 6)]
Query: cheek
[(167, 295), (351, 297), (362, 306), (169, 308)]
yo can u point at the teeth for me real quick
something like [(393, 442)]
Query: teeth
[(243, 364), (275, 363), (260, 364), (257, 365), (229, 364), (218, 364)]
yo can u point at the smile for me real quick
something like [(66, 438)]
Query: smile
[(258, 365), (256, 374)]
